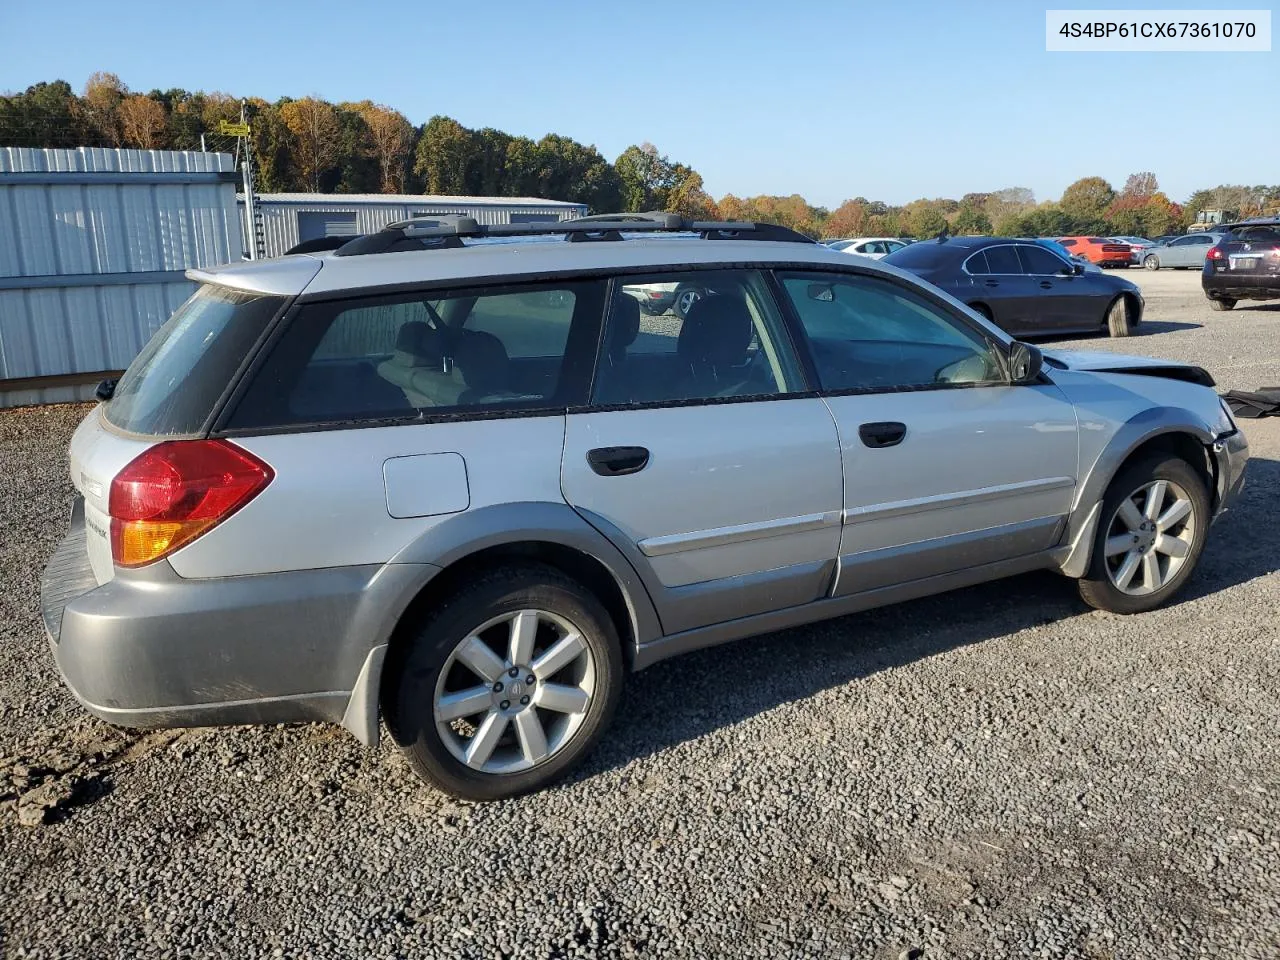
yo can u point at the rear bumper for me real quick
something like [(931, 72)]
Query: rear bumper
[(150, 649), (1241, 286)]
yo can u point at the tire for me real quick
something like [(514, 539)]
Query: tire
[(430, 668), (1118, 322), (1221, 303), (1100, 587), (983, 309), (1152, 262), (685, 298)]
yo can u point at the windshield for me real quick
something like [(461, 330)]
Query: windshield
[(171, 387)]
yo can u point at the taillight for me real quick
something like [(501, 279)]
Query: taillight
[(1213, 254), (176, 491)]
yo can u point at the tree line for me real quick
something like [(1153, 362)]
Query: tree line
[(312, 145)]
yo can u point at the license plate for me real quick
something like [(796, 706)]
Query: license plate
[(1244, 263)]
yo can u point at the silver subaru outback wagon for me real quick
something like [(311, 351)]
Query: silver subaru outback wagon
[(452, 479)]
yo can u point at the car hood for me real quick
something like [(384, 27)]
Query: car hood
[(1099, 362)]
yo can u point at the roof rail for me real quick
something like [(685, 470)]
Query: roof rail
[(445, 231)]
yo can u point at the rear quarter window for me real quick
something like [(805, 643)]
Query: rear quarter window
[(416, 355), (172, 386)]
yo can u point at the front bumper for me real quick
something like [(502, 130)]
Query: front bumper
[(150, 649), (1231, 454)]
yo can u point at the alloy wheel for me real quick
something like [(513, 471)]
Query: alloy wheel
[(1150, 537), (514, 691)]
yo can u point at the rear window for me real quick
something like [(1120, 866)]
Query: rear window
[(171, 387), (923, 255), (1255, 233)]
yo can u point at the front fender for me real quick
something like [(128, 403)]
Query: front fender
[(1096, 477)]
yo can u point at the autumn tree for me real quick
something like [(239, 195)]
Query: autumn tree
[(142, 122), (103, 94), (313, 128), (1141, 185), (390, 137), (847, 220)]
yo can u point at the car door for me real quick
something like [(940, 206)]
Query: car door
[(947, 465), (702, 457), (1066, 300), (998, 280), (1181, 252)]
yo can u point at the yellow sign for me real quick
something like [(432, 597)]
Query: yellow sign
[(229, 129)]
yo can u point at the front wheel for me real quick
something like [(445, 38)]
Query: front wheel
[(1150, 536), (506, 685), (1221, 303), (1152, 262)]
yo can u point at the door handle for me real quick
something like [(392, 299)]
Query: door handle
[(1046, 285), (992, 283), (888, 434), (617, 461)]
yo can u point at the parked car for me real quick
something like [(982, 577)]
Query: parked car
[(463, 489), (1024, 287), (1137, 245), (1181, 253), (1064, 253), (1244, 264), (1099, 250), (873, 247)]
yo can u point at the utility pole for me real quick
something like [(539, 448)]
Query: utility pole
[(250, 221)]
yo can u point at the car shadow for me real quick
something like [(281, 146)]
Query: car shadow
[(1149, 327), (695, 694)]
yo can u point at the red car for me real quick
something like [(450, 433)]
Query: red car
[(1099, 250)]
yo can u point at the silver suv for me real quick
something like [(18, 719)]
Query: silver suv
[(452, 478)]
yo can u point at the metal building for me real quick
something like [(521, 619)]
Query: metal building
[(93, 245), (286, 219)]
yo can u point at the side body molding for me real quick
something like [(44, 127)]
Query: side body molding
[(460, 535)]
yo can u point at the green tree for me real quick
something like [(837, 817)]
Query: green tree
[(43, 115), (578, 173), (924, 218), (970, 220), (1085, 203), (446, 151), (488, 174)]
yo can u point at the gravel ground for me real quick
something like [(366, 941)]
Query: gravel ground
[(996, 772)]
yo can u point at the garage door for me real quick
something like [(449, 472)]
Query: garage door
[(313, 225)]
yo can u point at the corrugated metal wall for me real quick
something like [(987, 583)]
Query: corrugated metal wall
[(93, 243), (279, 219)]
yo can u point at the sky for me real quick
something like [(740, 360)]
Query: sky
[(831, 99)]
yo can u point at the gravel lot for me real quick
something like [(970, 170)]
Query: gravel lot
[(996, 772)]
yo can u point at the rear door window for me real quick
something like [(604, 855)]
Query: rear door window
[(1003, 260), (977, 264), (172, 386), (413, 356)]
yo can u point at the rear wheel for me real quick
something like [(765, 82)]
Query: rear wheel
[(1152, 262), (1118, 322), (686, 297), (1221, 303), (1150, 536), (506, 684)]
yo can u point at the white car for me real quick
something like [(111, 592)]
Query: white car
[(449, 478), (873, 247)]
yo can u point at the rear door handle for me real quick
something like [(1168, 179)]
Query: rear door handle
[(618, 461), (1046, 285), (992, 283), (886, 434)]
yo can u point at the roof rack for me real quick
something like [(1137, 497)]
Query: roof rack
[(436, 232)]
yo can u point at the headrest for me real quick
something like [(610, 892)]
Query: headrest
[(482, 360), (624, 321), (717, 330), (417, 345)]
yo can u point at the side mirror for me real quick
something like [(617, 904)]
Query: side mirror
[(1025, 362), (105, 390), (1077, 268)]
